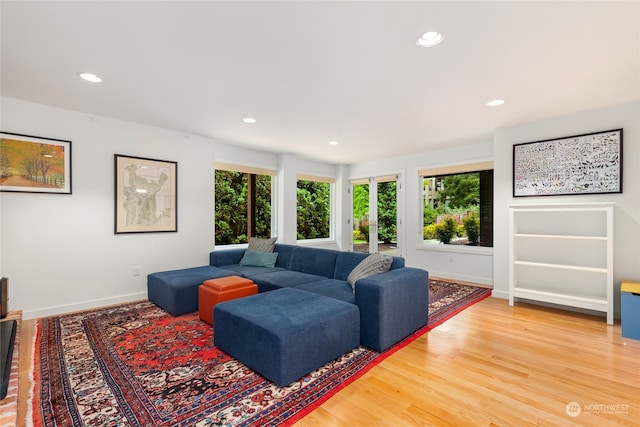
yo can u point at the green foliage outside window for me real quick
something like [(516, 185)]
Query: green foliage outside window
[(313, 209), (454, 212), (446, 229), (460, 191), (363, 228), (387, 218), (231, 207), (472, 228), (360, 203), (387, 211)]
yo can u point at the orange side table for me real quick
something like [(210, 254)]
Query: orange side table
[(214, 291)]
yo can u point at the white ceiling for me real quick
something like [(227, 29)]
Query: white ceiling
[(311, 72)]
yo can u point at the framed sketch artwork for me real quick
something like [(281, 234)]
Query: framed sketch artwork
[(145, 195), (581, 164), (33, 164)]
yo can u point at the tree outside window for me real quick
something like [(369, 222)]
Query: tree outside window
[(361, 215), (313, 209), (458, 208), (242, 206)]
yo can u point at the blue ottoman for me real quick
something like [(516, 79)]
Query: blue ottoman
[(286, 333), (176, 291)]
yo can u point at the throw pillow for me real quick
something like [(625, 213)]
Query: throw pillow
[(373, 264), (262, 245), (259, 259)]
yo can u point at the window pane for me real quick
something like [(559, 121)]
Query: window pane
[(314, 209), (454, 210), (486, 208), (360, 217), (234, 212), (263, 206), (387, 216)]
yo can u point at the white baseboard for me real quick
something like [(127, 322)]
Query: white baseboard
[(616, 315), (462, 278), (83, 305), (500, 294)]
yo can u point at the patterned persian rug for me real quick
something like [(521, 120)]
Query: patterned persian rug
[(136, 365), (446, 299)]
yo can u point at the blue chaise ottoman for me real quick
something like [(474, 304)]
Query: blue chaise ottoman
[(286, 333), (176, 291)]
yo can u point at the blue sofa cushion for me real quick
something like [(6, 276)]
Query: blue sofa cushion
[(250, 271), (285, 253), (176, 291), (392, 305), (338, 289), (226, 257), (259, 259), (283, 279), (286, 333), (320, 262)]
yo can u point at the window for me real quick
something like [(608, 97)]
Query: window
[(313, 207), (243, 203), (376, 223), (458, 205)]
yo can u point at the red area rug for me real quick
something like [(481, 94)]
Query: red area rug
[(136, 365)]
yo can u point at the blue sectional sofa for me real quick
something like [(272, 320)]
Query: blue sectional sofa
[(392, 305)]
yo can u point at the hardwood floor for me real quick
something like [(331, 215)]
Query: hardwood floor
[(491, 365)]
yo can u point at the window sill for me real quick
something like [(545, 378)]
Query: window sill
[(308, 242), (312, 242), (231, 246), (461, 249)]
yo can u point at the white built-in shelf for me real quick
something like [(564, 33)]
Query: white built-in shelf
[(558, 236), (562, 254)]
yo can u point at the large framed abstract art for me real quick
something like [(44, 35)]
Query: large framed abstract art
[(580, 164), (146, 195)]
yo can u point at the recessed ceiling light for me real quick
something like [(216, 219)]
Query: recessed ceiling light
[(90, 77), (495, 103), (249, 120), (333, 142), (430, 38)]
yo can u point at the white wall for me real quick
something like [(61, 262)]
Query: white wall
[(473, 264), (60, 252), (626, 212), (229, 153)]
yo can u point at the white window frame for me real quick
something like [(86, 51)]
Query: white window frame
[(449, 169), (373, 179)]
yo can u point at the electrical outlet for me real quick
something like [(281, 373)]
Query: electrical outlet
[(136, 270)]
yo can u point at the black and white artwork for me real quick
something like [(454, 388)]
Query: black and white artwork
[(581, 164)]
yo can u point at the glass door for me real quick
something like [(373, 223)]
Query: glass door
[(360, 215), (375, 215), (386, 215)]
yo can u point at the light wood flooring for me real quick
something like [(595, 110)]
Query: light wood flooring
[(491, 365)]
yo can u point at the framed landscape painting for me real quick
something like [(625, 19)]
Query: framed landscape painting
[(580, 164), (33, 164), (145, 195)]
